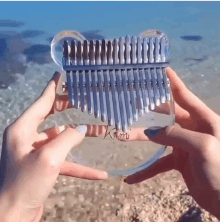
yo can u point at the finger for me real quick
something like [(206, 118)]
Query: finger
[(135, 134), (176, 136), (58, 148), (49, 134), (60, 104), (185, 98), (164, 164), (182, 117), (79, 171), (41, 107)]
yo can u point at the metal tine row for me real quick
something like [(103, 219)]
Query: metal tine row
[(117, 94), (118, 104), (147, 50)]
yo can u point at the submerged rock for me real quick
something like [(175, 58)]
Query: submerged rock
[(191, 37), (31, 33), (12, 60), (38, 53), (205, 57), (10, 23), (93, 35), (16, 52)]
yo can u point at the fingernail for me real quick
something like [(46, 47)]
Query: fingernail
[(55, 75), (62, 128), (103, 175), (153, 131), (128, 180), (82, 129)]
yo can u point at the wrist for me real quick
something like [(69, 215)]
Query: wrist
[(11, 212)]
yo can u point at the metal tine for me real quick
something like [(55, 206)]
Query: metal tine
[(88, 82), (120, 92), (86, 52), (65, 53), (130, 78), (76, 75), (163, 57), (72, 55), (150, 90), (132, 96), (135, 73), (75, 89), (145, 50), (124, 80), (100, 80), (70, 88), (160, 83), (165, 79), (141, 87), (113, 88), (94, 79), (157, 49), (159, 77), (82, 75), (166, 84), (151, 50), (133, 50), (79, 53), (138, 93), (144, 74), (144, 93), (106, 83), (139, 50), (155, 87)]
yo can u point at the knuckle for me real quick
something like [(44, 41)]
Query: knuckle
[(170, 129), (15, 134), (11, 132), (47, 162), (209, 143)]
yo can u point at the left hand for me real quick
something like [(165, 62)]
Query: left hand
[(31, 162)]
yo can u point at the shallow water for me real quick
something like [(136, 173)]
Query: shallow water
[(196, 62)]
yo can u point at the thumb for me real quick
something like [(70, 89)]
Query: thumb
[(57, 149), (176, 136)]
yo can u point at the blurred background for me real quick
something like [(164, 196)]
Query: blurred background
[(27, 28)]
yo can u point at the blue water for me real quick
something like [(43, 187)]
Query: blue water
[(115, 19), (26, 29)]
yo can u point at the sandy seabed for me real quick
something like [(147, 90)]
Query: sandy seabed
[(162, 198)]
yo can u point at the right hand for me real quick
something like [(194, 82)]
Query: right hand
[(196, 147)]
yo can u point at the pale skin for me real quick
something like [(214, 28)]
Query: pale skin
[(32, 161)]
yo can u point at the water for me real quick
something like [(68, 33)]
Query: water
[(25, 64)]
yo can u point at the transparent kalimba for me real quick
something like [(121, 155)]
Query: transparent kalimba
[(117, 88)]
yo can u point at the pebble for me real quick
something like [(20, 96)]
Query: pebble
[(60, 204), (81, 198), (53, 191)]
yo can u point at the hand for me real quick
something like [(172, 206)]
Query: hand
[(31, 162), (196, 147)]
